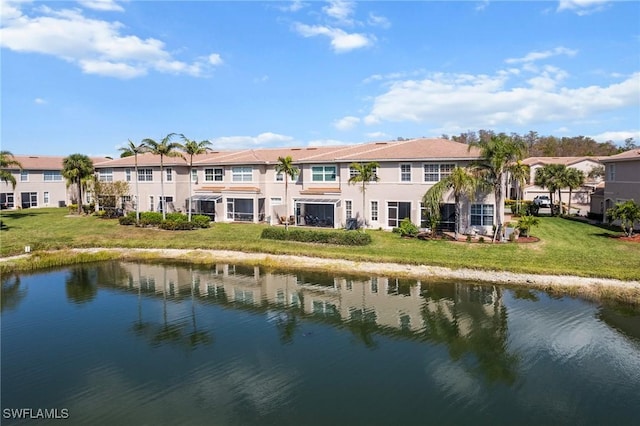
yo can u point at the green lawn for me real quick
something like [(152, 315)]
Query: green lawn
[(566, 247)]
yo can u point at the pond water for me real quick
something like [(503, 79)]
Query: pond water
[(134, 343)]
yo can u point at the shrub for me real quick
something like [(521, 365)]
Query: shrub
[(177, 217), (525, 223), (468, 238), (127, 220), (481, 240), (201, 221), (176, 225), (324, 237), (407, 228), (150, 218), (595, 216)]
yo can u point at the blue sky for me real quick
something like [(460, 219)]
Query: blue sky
[(86, 76)]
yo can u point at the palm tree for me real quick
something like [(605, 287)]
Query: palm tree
[(574, 179), (286, 167), (7, 161), (552, 177), (365, 173), (164, 148), (133, 150), (519, 174), (192, 148), (461, 182), (77, 168), (497, 152)]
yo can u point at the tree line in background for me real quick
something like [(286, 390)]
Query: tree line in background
[(551, 146)]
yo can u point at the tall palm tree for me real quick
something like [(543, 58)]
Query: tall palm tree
[(133, 150), (365, 173), (574, 179), (192, 148), (286, 167), (462, 182), (519, 174), (497, 152), (77, 169), (7, 161), (164, 148)]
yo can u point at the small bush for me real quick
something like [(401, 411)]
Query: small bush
[(150, 218), (407, 228), (177, 217), (481, 240), (176, 225), (324, 237), (127, 220), (201, 221), (468, 238)]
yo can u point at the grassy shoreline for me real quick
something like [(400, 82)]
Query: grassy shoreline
[(566, 247)]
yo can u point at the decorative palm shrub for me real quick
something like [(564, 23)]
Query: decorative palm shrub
[(525, 223)]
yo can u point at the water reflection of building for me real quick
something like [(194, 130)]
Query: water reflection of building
[(387, 303)]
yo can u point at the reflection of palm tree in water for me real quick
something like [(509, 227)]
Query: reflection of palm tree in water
[(80, 284), (463, 323), (12, 294)]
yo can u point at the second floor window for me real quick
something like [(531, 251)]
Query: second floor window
[(127, 174), (52, 176), (24, 176), (611, 172), (169, 173), (405, 172), (434, 172), (194, 175), (242, 174), (214, 175), (105, 175), (323, 173), (145, 175)]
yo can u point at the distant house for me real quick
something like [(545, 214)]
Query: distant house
[(621, 180), (580, 196), (38, 184)]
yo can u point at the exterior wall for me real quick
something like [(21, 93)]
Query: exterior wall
[(622, 182), (55, 190)]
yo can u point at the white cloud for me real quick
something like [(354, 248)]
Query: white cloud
[(583, 7), (536, 56), (346, 123), (39, 101), (617, 137), (96, 46), (293, 6), (378, 21), (341, 41), (340, 11), (103, 5), (266, 139), (377, 135), (328, 142), (495, 100)]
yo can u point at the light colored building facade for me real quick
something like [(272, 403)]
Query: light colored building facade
[(621, 180), (581, 196), (243, 186), (38, 184)]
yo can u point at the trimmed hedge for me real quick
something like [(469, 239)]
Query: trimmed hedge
[(345, 238), (174, 221)]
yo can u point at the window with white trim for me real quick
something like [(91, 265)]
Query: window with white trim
[(242, 174), (323, 173), (145, 175), (105, 175), (194, 175), (434, 172), (52, 176), (611, 172), (348, 209), (405, 172), (374, 211), (214, 175), (46, 197), (127, 175), (169, 174), (24, 176), (354, 172), (280, 177), (481, 214), (7, 200)]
